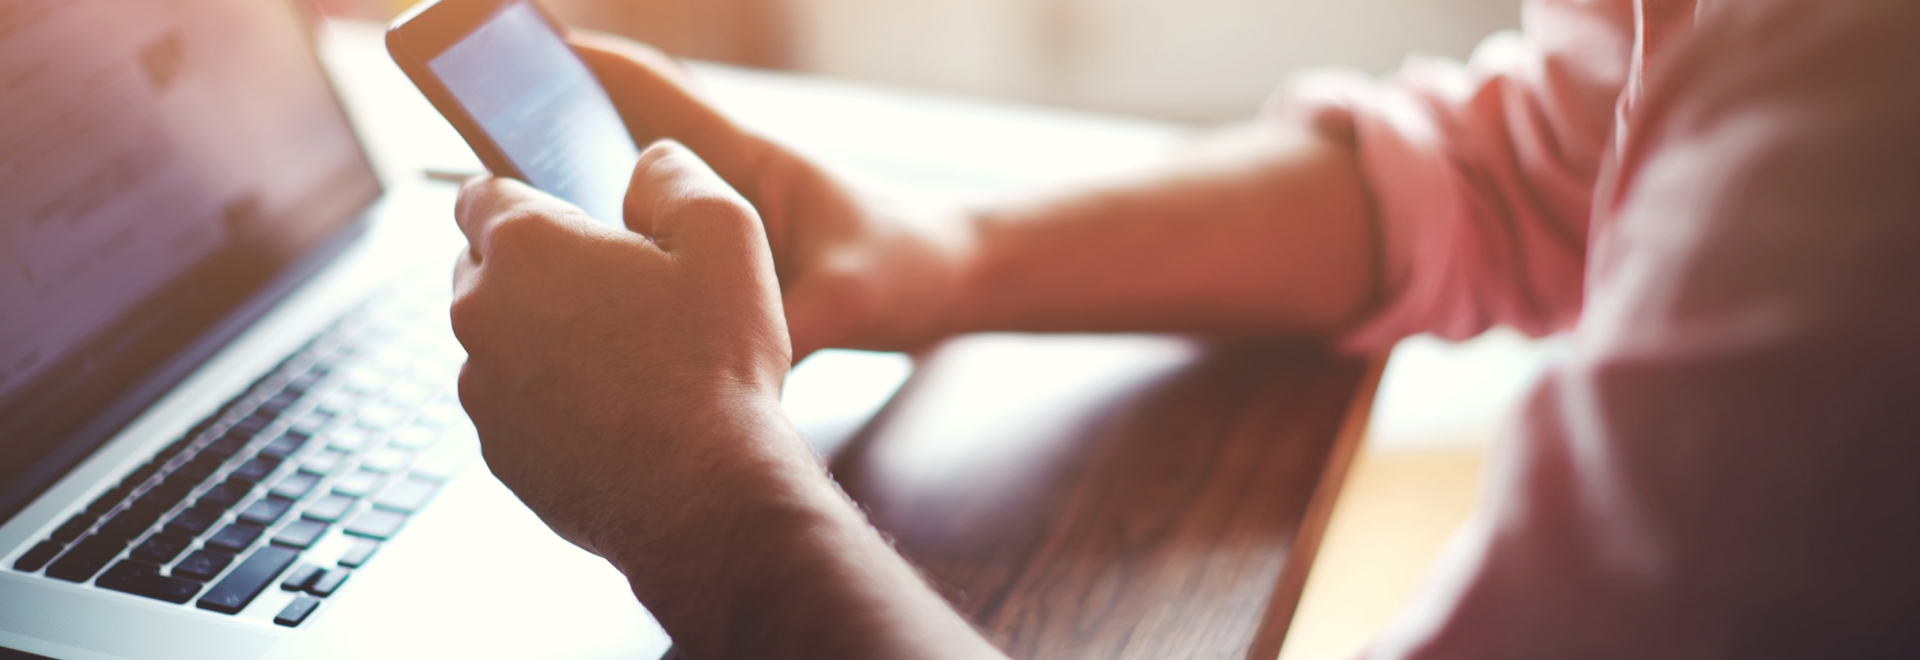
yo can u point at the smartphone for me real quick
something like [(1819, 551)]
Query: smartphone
[(501, 71)]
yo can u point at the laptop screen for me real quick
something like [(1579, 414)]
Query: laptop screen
[(160, 164)]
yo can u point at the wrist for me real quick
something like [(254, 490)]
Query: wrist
[(729, 468), (749, 557), (769, 559), (950, 248)]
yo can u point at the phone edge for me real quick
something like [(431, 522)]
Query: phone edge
[(490, 154)]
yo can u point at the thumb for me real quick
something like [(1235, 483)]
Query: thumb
[(657, 99)]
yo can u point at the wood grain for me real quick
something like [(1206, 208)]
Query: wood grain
[(1115, 497)]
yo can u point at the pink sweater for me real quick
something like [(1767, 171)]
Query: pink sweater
[(1721, 199)]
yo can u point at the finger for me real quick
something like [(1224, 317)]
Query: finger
[(678, 201), (486, 201), (657, 100)]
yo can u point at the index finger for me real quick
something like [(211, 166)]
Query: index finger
[(485, 201)]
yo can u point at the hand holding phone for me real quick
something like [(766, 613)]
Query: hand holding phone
[(502, 73)]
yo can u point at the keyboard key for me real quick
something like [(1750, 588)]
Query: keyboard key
[(380, 416), (200, 467), (360, 483), (161, 548), (226, 447), (324, 462), (194, 521), (338, 402), (224, 496), (408, 495), (414, 436), (297, 485), (279, 402), (409, 395), (386, 459), (74, 527), (441, 413), (246, 581), (129, 523), (180, 484), (296, 611), (298, 386), (306, 381), (41, 553), (157, 501), (235, 537), (312, 422), (393, 359), (253, 424), (202, 565), (300, 577), (329, 508), (255, 470), (86, 558), (140, 475), (349, 439), (326, 583), (285, 445), (363, 380), (107, 500), (143, 579), (300, 533), (358, 554), (376, 523), (446, 458), (265, 510)]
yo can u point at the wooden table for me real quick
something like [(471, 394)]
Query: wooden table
[(1115, 497)]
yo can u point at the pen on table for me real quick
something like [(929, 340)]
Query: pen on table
[(448, 175)]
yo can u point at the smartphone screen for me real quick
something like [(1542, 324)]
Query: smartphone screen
[(543, 108)]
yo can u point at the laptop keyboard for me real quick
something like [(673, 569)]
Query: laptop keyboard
[(300, 479)]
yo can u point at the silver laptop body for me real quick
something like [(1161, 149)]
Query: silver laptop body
[(227, 423)]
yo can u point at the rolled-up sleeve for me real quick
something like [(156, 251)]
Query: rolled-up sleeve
[(1482, 173)]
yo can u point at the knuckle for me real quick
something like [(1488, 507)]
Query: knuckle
[(715, 207), (464, 315), (660, 149), (854, 293), (712, 211), (517, 231), (468, 387), (475, 195), (470, 192), (661, 164)]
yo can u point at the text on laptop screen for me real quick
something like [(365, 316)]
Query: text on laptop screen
[(544, 109), (160, 162)]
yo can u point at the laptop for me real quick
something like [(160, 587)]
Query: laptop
[(228, 418)]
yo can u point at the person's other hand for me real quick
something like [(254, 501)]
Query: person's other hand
[(852, 272), (612, 374)]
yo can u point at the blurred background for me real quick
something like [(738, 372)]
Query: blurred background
[(1194, 61)]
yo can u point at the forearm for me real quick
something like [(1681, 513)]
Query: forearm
[(1267, 233), (773, 561)]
